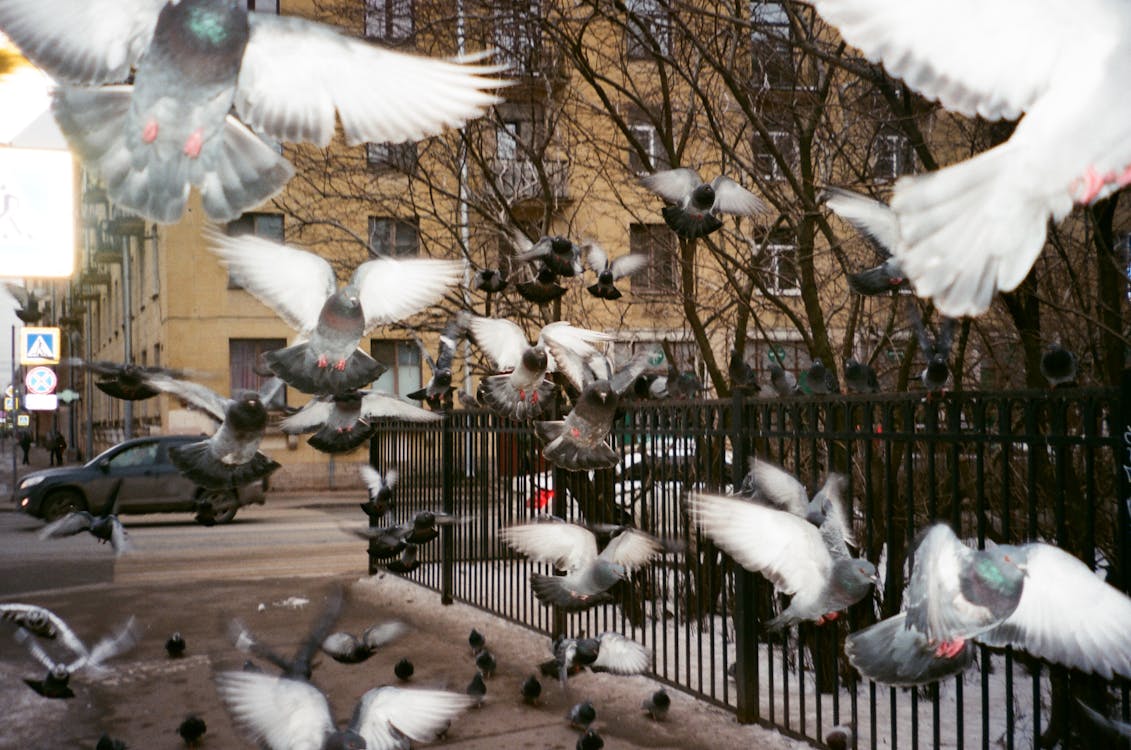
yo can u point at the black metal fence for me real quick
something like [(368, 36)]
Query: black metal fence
[(1010, 467)]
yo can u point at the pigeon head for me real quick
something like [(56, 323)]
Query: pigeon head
[(854, 577), (37, 622), (703, 197), (600, 392), (534, 358), (442, 378), (247, 413), (607, 573), (995, 579), (342, 311), (425, 519), (344, 739), (936, 373), (561, 246), (58, 675), (350, 400), (587, 651)]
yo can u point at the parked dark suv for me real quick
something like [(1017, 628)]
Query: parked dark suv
[(150, 484)]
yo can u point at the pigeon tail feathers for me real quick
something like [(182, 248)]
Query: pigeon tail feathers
[(242, 173), (196, 462), (892, 653), (296, 366), (332, 440), (690, 226), (568, 454)]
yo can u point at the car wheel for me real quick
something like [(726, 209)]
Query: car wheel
[(61, 502), (216, 506)]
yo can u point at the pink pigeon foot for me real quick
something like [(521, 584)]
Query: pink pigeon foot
[(149, 132), (1088, 185), (194, 143), (340, 366), (521, 395), (1125, 178), (534, 397), (322, 361), (575, 432), (950, 649)]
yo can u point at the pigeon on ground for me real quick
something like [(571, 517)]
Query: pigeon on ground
[(860, 377), (301, 665), (609, 652), (289, 714), (175, 645), (437, 392), (302, 289), (581, 715), (404, 670), (531, 690), (572, 548), (485, 662), (937, 351), (819, 379), (476, 640), (543, 289), (230, 458), (104, 527), (577, 443), (29, 307), (696, 205), (56, 684), (342, 422), (347, 648), (611, 271), (1034, 597), (477, 689), (523, 391), (840, 737), (791, 552), (1058, 365), (380, 488), (657, 704), (558, 254), (979, 225), (1114, 728), (876, 222), (126, 381), (489, 280), (106, 742), (192, 730), (590, 740), (782, 381), (197, 65)]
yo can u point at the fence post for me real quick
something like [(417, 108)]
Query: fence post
[(447, 538), (1123, 482), (745, 615)]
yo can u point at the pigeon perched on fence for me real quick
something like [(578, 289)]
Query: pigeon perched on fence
[(301, 665), (1058, 365), (125, 381), (343, 421), (56, 684), (523, 391), (195, 66), (696, 205), (350, 649), (104, 527), (611, 271), (935, 350), (876, 222), (286, 714), (380, 488), (860, 377), (978, 226), (608, 652), (581, 715), (572, 548), (742, 375), (1034, 597), (657, 704), (782, 381), (302, 289), (820, 380)]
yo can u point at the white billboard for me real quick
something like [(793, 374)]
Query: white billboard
[(37, 214)]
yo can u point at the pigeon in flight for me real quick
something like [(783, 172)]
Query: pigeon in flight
[(192, 730), (343, 421), (104, 527), (437, 392), (979, 225), (860, 377), (380, 488), (407, 562), (936, 351), (771, 484), (696, 205), (230, 457), (197, 66), (126, 381), (657, 704), (289, 714), (41, 622), (1034, 597), (608, 652), (523, 390), (301, 665), (349, 649), (543, 290), (302, 289), (559, 254), (876, 222), (1112, 727), (572, 548), (796, 556), (581, 715), (1058, 365), (57, 682), (29, 307), (489, 280), (531, 690), (422, 528), (611, 271), (782, 381)]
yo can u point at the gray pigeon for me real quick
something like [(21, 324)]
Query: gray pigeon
[(1058, 365), (349, 649), (543, 289), (608, 652), (531, 690), (696, 205), (301, 665), (104, 527), (876, 222), (343, 421), (782, 381), (302, 289), (192, 730), (573, 548), (590, 740), (742, 375), (840, 737), (610, 271), (423, 528), (523, 391), (285, 713), (657, 704), (1033, 597), (407, 562), (558, 254), (198, 64), (230, 457), (860, 377), (489, 280), (29, 307), (380, 488), (477, 690), (581, 715), (820, 380), (125, 381), (485, 662), (437, 392), (41, 622), (57, 682), (810, 564), (936, 351)]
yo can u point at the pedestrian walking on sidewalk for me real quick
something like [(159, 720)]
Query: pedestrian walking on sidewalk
[(58, 448), (25, 445)]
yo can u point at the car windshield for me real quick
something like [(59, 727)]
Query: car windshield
[(136, 455)]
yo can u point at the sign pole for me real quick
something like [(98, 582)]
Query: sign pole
[(15, 392)]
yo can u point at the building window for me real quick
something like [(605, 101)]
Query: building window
[(659, 244), (264, 6), (791, 356), (518, 35), (154, 268), (397, 157), (269, 226), (769, 35), (244, 365), (775, 260), (403, 360), (648, 30), (506, 140), (891, 156), (397, 238), (766, 151), (646, 139), (388, 20)]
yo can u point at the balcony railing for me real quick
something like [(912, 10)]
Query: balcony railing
[(521, 179)]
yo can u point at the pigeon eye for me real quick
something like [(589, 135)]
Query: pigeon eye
[(1006, 558)]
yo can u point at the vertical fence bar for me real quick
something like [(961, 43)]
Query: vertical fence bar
[(447, 499), (745, 626)]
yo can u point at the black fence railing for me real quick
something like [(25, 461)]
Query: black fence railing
[(1008, 467)]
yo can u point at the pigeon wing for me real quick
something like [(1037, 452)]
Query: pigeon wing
[(778, 487), (1068, 615), (382, 634), (786, 549), (374, 482), (68, 525), (391, 290), (309, 418), (377, 404), (935, 604), (577, 346), (293, 283), (626, 375), (968, 54), (32, 645), (19, 294), (194, 394), (626, 265), (632, 548), (595, 257), (673, 185), (285, 714), (566, 546), (117, 643), (732, 198), (501, 339), (873, 219), (296, 73), (621, 655), (82, 43), (384, 714)]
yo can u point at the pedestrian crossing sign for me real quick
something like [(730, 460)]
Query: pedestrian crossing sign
[(39, 345)]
